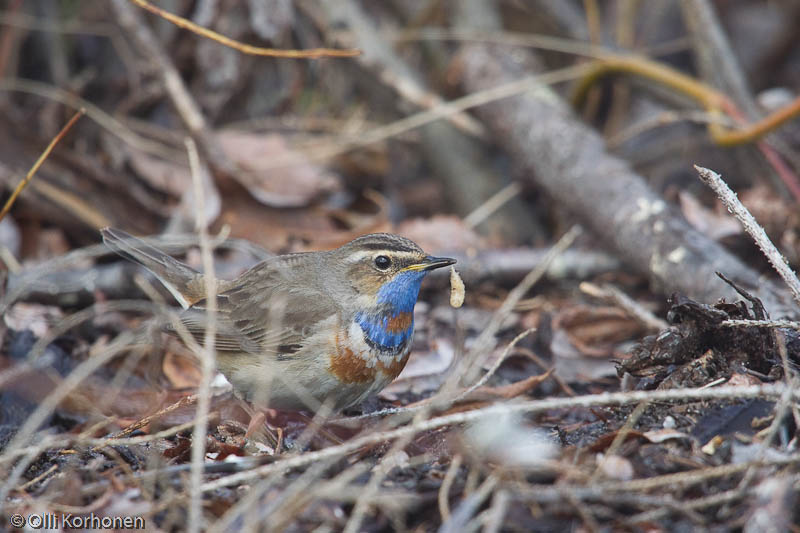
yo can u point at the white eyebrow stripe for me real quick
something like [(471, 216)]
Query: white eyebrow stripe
[(361, 254), (357, 256)]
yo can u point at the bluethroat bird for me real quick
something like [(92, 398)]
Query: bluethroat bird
[(302, 329)]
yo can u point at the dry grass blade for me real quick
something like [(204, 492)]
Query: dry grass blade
[(40, 161), (242, 47)]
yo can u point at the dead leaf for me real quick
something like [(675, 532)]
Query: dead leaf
[(595, 331), (171, 177), (715, 224), (509, 391), (440, 232), (743, 380), (293, 185), (181, 371)]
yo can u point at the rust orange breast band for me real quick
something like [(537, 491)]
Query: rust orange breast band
[(350, 368), (400, 323)]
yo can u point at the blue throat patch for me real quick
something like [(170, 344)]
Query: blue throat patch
[(401, 292), (390, 331), (377, 334)]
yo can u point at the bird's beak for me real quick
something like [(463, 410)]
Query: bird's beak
[(431, 263)]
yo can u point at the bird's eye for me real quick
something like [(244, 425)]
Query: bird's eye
[(383, 262)]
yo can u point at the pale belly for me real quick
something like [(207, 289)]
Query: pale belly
[(337, 371)]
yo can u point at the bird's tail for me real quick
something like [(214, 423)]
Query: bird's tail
[(185, 283)]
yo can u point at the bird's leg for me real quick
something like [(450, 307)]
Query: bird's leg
[(279, 445), (257, 420), (259, 427)]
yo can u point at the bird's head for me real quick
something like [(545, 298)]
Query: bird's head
[(386, 270)]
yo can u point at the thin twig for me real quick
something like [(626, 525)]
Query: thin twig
[(506, 38), (469, 506), (752, 227), (737, 323), (37, 479), (620, 437), (497, 511)]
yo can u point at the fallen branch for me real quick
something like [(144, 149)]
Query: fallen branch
[(570, 162)]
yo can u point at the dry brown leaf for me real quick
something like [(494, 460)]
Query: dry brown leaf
[(715, 224), (507, 392), (743, 380), (594, 331), (181, 371), (293, 185), (169, 177), (440, 232)]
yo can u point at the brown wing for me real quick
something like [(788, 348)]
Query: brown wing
[(272, 308)]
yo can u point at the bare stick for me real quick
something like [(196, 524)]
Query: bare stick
[(788, 324), (752, 227), (38, 163), (206, 354)]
